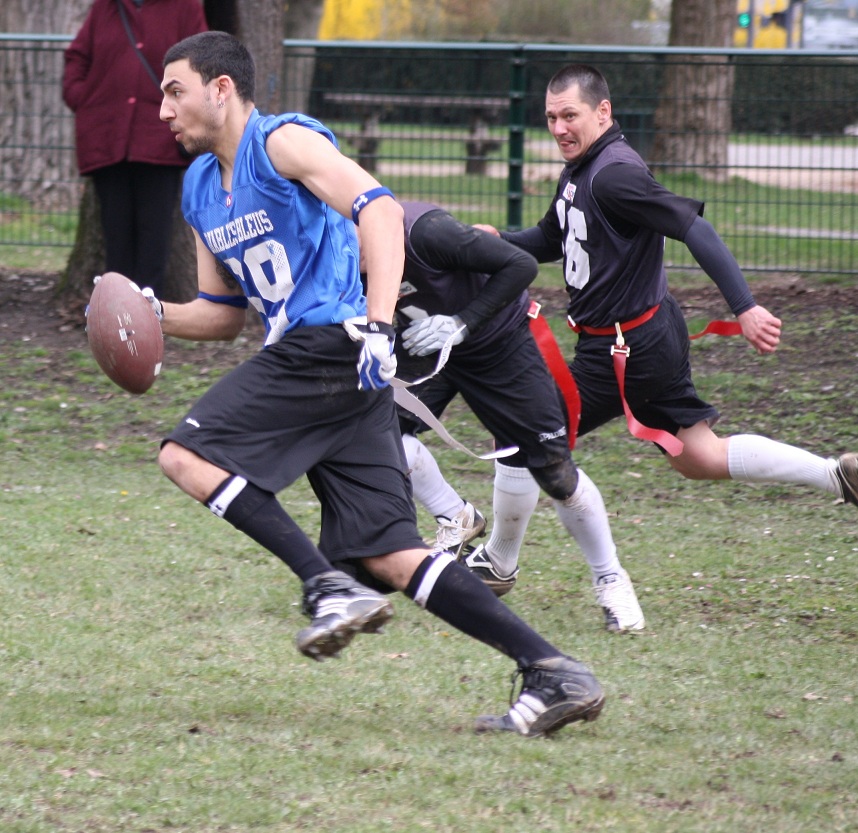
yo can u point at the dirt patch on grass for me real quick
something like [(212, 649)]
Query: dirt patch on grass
[(819, 348)]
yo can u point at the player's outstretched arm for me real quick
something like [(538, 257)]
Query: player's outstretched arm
[(759, 326), (202, 320)]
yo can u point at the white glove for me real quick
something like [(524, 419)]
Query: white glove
[(429, 335), (377, 363), (149, 295)]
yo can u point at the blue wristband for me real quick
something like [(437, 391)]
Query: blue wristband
[(229, 300), (365, 199)]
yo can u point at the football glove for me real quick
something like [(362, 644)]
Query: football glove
[(377, 363), (95, 281), (429, 335), (149, 295)]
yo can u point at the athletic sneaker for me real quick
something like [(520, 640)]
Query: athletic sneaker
[(476, 559), (339, 608), (847, 474), (554, 692), (453, 533), (616, 594)]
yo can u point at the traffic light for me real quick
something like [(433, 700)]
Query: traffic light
[(744, 19)]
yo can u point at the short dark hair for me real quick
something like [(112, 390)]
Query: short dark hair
[(591, 82), (212, 54)]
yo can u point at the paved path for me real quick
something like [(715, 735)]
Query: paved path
[(831, 167)]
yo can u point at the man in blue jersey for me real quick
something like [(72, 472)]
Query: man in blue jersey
[(273, 203), (464, 287), (608, 221)]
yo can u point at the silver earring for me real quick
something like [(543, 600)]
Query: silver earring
[(220, 104)]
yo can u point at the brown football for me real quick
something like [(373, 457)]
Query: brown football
[(124, 333)]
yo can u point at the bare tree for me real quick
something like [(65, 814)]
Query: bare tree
[(302, 23), (693, 118), (262, 25)]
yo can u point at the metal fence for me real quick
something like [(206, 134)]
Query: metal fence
[(462, 125)]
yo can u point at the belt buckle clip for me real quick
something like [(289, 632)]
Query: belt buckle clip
[(620, 346), (535, 307)]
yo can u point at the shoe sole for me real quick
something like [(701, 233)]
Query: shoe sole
[(562, 715), (546, 724), (499, 587), (326, 644), (612, 626)]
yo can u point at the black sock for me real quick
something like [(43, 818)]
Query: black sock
[(453, 593), (258, 515)]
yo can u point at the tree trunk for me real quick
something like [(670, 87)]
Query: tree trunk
[(302, 23), (693, 118), (282, 85), (261, 31)]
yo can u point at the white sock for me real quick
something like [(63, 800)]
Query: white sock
[(757, 459), (430, 489), (516, 494), (586, 520)]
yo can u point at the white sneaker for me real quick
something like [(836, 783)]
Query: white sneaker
[(618, 600), (453, 533)]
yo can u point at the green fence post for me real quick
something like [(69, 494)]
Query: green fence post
[(515, 179)]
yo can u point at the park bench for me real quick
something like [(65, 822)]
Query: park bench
[(369, 108)]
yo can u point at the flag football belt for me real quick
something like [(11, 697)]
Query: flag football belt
[(620, 353)]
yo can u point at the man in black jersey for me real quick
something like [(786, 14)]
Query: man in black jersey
[(468, 288), (608, 220)]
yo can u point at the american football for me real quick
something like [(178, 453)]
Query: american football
[(124, 333)]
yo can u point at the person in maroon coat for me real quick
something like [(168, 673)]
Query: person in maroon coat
[(112, 84)]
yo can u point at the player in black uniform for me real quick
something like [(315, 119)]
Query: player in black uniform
[(469, 288), (608, 221)]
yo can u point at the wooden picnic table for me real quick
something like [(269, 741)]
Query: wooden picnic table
[(369, 108)]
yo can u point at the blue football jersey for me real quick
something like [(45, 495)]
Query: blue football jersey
[(295, 257)]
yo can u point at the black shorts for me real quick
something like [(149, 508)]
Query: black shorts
[(294, 408), (508, 387), (658, 383)]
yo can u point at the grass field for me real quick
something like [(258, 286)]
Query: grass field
[(149, 682)]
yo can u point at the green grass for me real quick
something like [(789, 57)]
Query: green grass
[(149, 683), (32, 238)]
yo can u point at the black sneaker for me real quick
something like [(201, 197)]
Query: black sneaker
[(340, 608), (477, 560), (847, 475), (554, 692)]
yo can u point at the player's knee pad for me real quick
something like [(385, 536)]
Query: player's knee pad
[(558, 480)]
